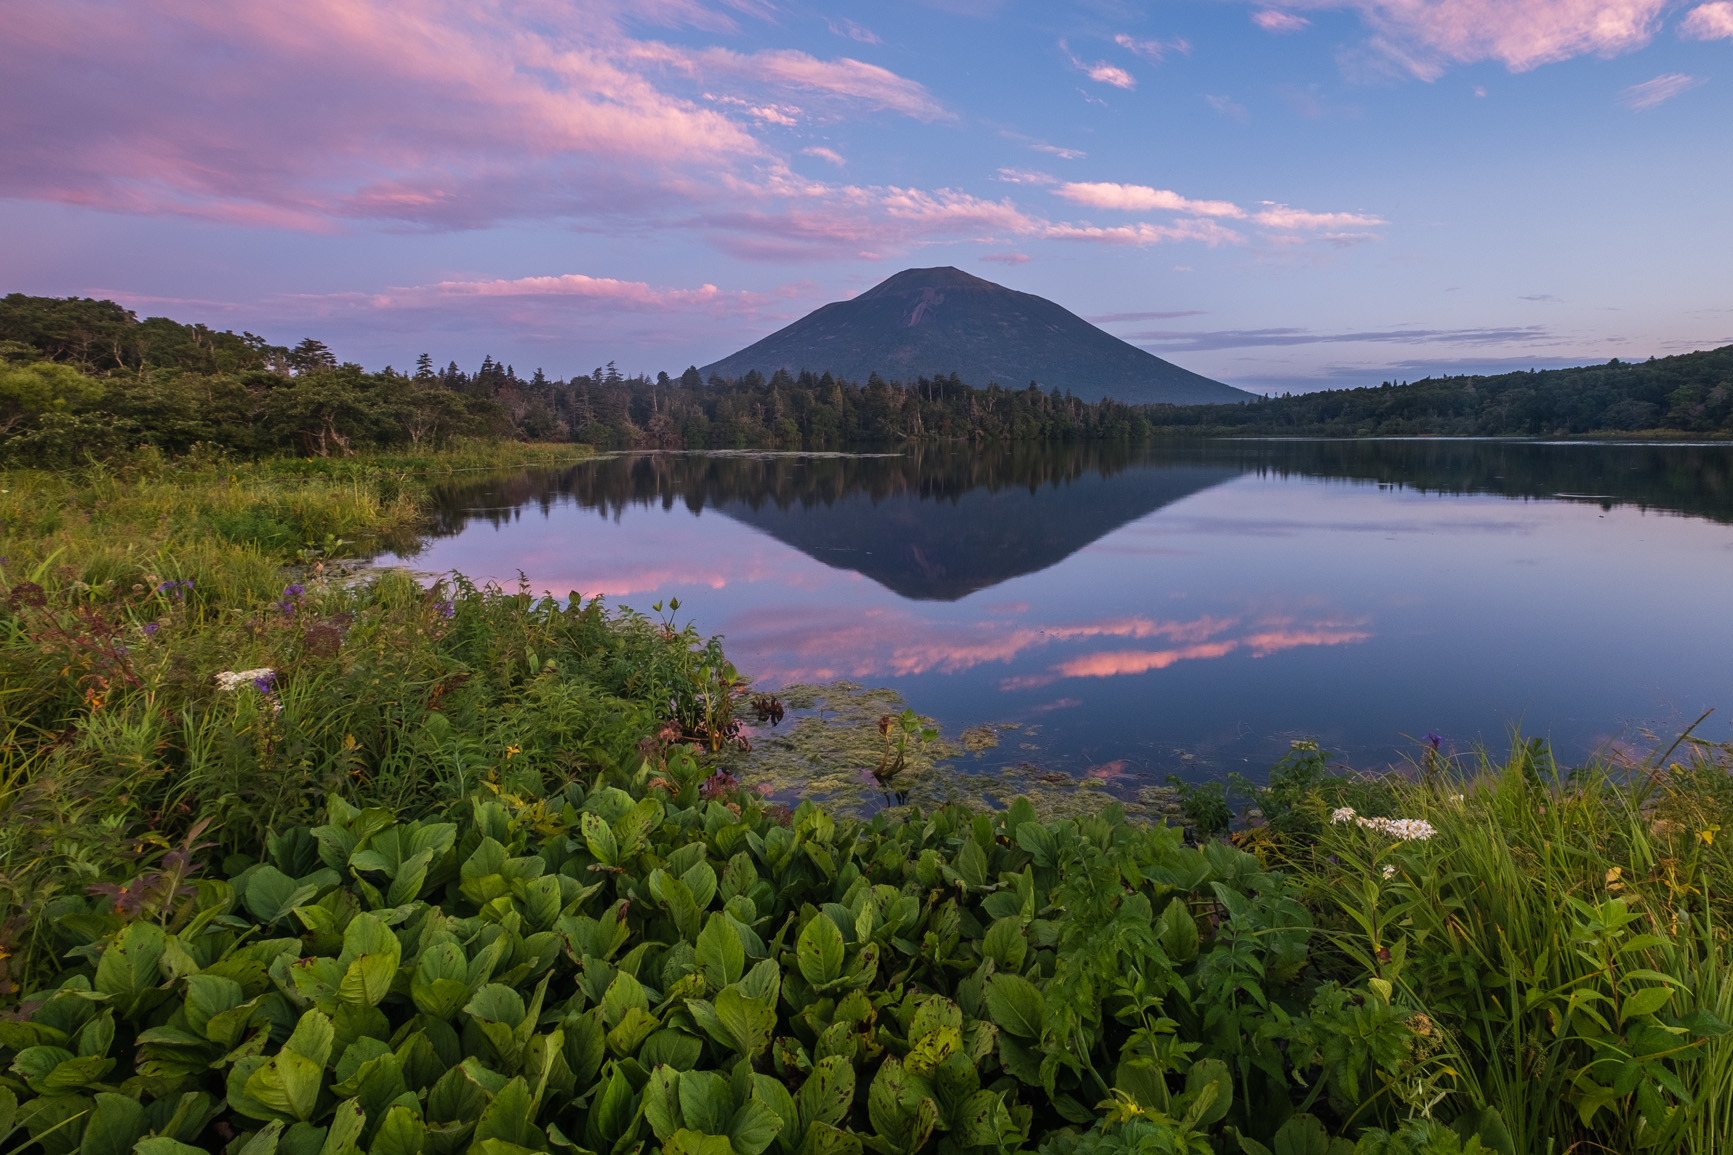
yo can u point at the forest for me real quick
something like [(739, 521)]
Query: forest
[(83, 378)]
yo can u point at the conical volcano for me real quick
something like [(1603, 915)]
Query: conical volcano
[(935, 322)]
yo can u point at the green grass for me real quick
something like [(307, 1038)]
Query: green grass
[(1566, 930)]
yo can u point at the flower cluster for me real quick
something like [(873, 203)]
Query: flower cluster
[(1405, 829), (290, 592), (178, 589), (263, 679)]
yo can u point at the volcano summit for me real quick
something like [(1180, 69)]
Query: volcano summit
[(935, 322)]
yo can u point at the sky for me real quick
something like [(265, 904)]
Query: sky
[(1286, 197)]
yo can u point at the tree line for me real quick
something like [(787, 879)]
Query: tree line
[(1688, 393), (82, 377), (85, 377)]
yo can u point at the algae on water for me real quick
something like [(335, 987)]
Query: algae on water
[(831, 744)]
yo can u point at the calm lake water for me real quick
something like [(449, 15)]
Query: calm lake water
[(1173, 608)]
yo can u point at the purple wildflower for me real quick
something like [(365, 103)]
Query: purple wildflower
[(1434, 740), (446, 610), (266, 684), (150, 628), (294, 591), (165, 587)]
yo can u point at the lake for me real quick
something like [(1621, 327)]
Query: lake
[(1126, 613)]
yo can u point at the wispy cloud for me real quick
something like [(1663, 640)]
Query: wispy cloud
[(1111, 318), (1337, 228), (1709, 22), (843, 77), (1025, 176), (1271, 20), (1006, 258), (1657, 91), (1277, 216), (853, 31), (1142, 198), (1197, 341), (1100, 71), (823, 153), (1154, 51), (1228, 107)]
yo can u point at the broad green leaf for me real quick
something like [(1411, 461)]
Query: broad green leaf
[(753, 1128), (53, 1070), (1177, 931), (706, 1103), (828, 1092), (510, 1117), (820, 951), (721, 954), (271, 895), (1645, 1002), (344, 1134), (401, 1132), (1039, 842), (692, 1143), (1014, 1003), (163, 1145), (749, 1022), (671, 1048), (662, 1102), (1005, 945), (116, 1123), (823, 1139), (1209, 1093), (129, 965), (599, 837)]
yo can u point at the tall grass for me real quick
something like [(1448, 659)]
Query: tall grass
[(125, 592), (1568, 933)]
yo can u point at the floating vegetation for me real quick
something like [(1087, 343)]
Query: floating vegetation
[(977, 739), (844, 736), (853, 748)]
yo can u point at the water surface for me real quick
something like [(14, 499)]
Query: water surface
[(1172, 608)]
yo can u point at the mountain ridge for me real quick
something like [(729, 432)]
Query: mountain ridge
[(937, 321)]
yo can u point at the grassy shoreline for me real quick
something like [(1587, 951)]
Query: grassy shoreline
[(296, 864)]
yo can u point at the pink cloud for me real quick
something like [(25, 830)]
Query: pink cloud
[(1113, 663), (1271, 20), (1282, 217), (1142, 234), (433, 113), (1007, 258), (1142, 198), (822, 153), (1709, 22), (1425, 36), (1101, 71), (843, 77), (1274, 641)]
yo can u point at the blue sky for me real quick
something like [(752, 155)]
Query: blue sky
[(1282, 196)]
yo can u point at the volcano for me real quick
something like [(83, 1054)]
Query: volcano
[(935, 322)]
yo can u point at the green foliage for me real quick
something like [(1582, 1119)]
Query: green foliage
[(626, 961)]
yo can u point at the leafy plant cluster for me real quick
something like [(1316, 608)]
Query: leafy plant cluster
[(630, 964)]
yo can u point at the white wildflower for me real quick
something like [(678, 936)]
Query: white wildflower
[(1389, 872), (1346, 814), (233, 679), (1404, 829)]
